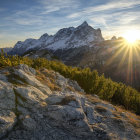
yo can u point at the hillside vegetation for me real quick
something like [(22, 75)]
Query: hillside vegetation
[(90, 81)]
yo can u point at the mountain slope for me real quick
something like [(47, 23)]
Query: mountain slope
[(45, 105)]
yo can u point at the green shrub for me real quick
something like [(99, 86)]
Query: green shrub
[(90, 81)]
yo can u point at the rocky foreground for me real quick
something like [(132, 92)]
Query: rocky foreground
[(43, 105)]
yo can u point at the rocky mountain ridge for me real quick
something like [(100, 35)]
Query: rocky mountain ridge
[(65, 38), (43, 105)]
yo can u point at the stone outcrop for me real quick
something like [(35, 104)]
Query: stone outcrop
[(43, 105)]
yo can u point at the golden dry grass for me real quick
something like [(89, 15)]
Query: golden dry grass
[(92, 99), (43, 104), (70, 88), (47, 79), (6, 73), (67, 99), (100, 109), (129, 116)]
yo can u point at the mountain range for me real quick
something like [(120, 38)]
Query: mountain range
[(47, 100), (66, 38), (85, 46)]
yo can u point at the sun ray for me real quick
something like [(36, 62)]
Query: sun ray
[(130, 66), (123, 58), (136, 49), (121, 48), (126, 57)]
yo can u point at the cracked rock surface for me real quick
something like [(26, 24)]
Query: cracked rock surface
[(43, 105)]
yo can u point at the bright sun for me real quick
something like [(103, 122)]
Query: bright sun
[(132, 36)]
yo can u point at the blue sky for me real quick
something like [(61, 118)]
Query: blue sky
[(21, 19)]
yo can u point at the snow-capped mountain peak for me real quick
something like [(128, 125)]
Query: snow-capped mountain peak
[(65, 38), (84, 24), (44, 37)]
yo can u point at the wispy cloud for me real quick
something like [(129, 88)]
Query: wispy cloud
[(25, 17), (74, 15), (113, 17), (120, 23), (56, 5), (42, 14), (115, 5)]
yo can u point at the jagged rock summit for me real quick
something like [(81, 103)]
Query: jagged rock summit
[(43, 105), (65, 38)]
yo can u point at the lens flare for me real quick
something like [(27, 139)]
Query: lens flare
[(128, 54), (132, 36)]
